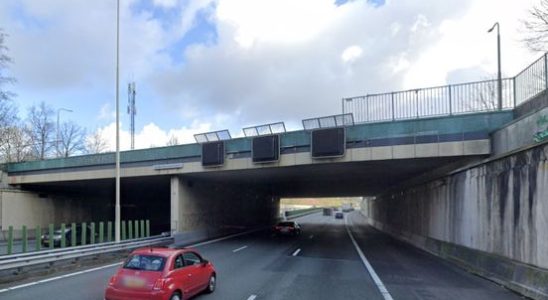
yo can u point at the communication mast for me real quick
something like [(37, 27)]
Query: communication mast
[(132, 110)]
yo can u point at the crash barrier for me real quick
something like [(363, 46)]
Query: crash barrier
[(18, 266), (298, 212)]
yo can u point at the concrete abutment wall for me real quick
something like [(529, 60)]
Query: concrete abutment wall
[(492, 218), (203, 209)]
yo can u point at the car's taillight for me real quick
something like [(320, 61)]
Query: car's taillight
[(112, 280), (159, 284)]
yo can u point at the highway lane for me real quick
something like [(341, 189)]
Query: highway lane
[(410, 273), (325, 266)]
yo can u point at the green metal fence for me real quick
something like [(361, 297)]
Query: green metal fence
[(53, 237)]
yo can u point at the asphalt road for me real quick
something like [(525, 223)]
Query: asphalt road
[(326, 265)]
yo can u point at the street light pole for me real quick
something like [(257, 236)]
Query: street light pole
[(499, 75), (117, 214), (58, 135)]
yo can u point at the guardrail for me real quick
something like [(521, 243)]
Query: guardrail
[(470, 97), (301, 213), (480, 96), (29, 259)]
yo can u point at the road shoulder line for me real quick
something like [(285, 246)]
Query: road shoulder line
[(378, 282)]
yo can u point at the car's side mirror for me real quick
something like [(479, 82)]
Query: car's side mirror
[(205, 262)]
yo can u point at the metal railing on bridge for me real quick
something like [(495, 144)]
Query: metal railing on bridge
[(471, 97)]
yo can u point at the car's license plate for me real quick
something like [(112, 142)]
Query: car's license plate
[(285, 230), (134, 282)]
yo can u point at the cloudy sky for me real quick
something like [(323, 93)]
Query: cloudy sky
[(202, 65)]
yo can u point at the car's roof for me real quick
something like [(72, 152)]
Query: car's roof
[(287, 222), (162, 251)]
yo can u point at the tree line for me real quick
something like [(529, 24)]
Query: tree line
[(37, 136)]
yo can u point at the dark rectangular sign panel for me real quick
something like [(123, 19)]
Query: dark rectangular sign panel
[(266, 148), (328, 142), (213, 154)]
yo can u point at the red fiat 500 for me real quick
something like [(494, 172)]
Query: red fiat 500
[(161, 274)]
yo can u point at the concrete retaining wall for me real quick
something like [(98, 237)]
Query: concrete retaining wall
[(18, 208), (521, 133), (498, 209)]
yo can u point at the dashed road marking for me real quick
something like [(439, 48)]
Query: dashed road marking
[(239, 249), (252, 297), (311, 236), (296, 252), (112, 265)]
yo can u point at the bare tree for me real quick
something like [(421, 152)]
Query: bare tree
[(72, 138), (486, 96), (40, 128), (5, 105), (173, 140), (17, 147), (95, 143), (536, 27), (8, 111)]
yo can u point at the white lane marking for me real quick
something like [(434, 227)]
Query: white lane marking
[(57, 277), (225, 238), (239, 249), (112, 265), (252, 297), (296, 252), (382, 288)]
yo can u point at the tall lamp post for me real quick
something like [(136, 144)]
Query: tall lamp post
[(58, 135), (499, 76), (117, 214)]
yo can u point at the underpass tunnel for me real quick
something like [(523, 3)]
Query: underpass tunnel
[(142, 198), (207, 203), (216, 201)]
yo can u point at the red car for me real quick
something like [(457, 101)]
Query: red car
[(161, 274), (287, 227)]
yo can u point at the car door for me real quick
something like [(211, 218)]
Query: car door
[(193, 262), (181, 276)]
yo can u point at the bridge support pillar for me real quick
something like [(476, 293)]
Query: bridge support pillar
[(175, 204)]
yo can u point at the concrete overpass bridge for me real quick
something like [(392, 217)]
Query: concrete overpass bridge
[(171, 183)]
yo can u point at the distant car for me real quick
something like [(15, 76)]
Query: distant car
[(57, 235), (162, 274), (327, 211), (339, 215), (287, 228)]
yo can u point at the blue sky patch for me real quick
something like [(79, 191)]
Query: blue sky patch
[(202, 32), (375, 3)]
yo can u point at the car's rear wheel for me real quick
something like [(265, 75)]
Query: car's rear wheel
[(212, 284), (176, 296)]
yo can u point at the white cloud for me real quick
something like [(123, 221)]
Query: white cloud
[(464, 43), (107, 112), (150, 135), (351, 53), (281, 21), (281, 60)]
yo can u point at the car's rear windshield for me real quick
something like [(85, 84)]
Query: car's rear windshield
[(286, 224), (145, 262)]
